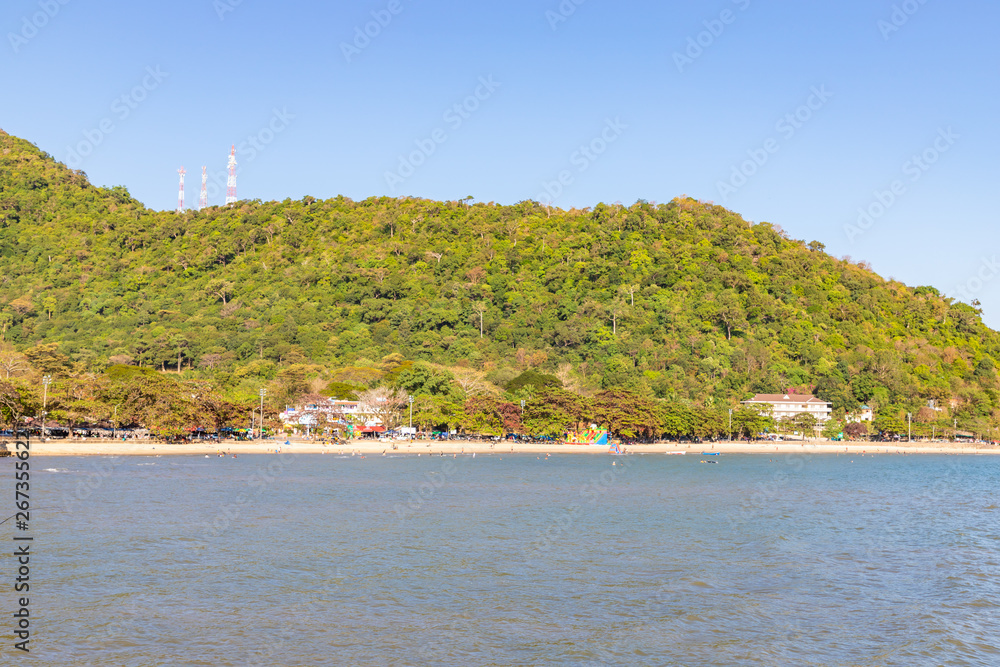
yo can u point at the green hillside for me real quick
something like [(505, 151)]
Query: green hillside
[(685, 301)]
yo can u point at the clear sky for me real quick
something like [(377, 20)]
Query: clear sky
[(803, 114)]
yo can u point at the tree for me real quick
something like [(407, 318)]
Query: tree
[(12, 362), (6, 319), (220, 412), (833, 428), (16, 401), (614, 312), (384, 404), (751, 422), (676, 420), (889, 425), (856, 430), (343, 391), (490, 416), (730, 312), (554, 411), (221, 289), (626, 414), (166, 406), (470, 382), (532, 378), (422, 378), (805, 423), (481, 308), (434, 412), (46, 358)]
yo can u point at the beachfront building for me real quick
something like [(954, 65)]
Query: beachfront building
[(786, 406), (862, 414), (331, 413)]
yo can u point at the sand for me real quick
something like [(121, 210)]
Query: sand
[(371, 447)]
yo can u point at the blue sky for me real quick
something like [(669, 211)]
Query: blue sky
[(803, 114)]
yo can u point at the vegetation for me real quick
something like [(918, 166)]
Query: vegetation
[(674, 311)]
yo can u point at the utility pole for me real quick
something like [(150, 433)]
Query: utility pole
[(410, 398), (909, 427), (46, 380), (263, 392)]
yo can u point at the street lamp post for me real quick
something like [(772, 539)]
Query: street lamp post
[(909, 427), (263, 393), (46, 380), (410, 399)]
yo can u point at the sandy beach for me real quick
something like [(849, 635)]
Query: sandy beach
[(422, 447)]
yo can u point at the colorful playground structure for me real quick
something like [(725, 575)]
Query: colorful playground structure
[(591, 436)]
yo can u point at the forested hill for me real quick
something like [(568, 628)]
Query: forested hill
[(682, 301)]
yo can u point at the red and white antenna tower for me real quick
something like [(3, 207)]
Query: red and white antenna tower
[(231, 183), (180, 192), (203, 200)]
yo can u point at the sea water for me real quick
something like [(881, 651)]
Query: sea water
[(511, 560)]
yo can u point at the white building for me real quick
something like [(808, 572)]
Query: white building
[(334, 412), (786, 406), (862, 414)]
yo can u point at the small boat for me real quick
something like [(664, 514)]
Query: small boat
[(675, 453), (711, 453)]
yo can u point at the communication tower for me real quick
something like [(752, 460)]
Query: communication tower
[(180, 192), (203, 200), (231, 183)]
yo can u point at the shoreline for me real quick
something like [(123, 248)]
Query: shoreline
[(368, 447)]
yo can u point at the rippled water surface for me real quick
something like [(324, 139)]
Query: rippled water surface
[(512, 560)]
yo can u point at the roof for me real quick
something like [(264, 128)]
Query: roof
[(785, 398)]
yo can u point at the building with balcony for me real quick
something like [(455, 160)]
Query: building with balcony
[(786, 406)]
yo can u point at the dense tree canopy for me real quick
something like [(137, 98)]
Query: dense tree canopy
[(682, 304)]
